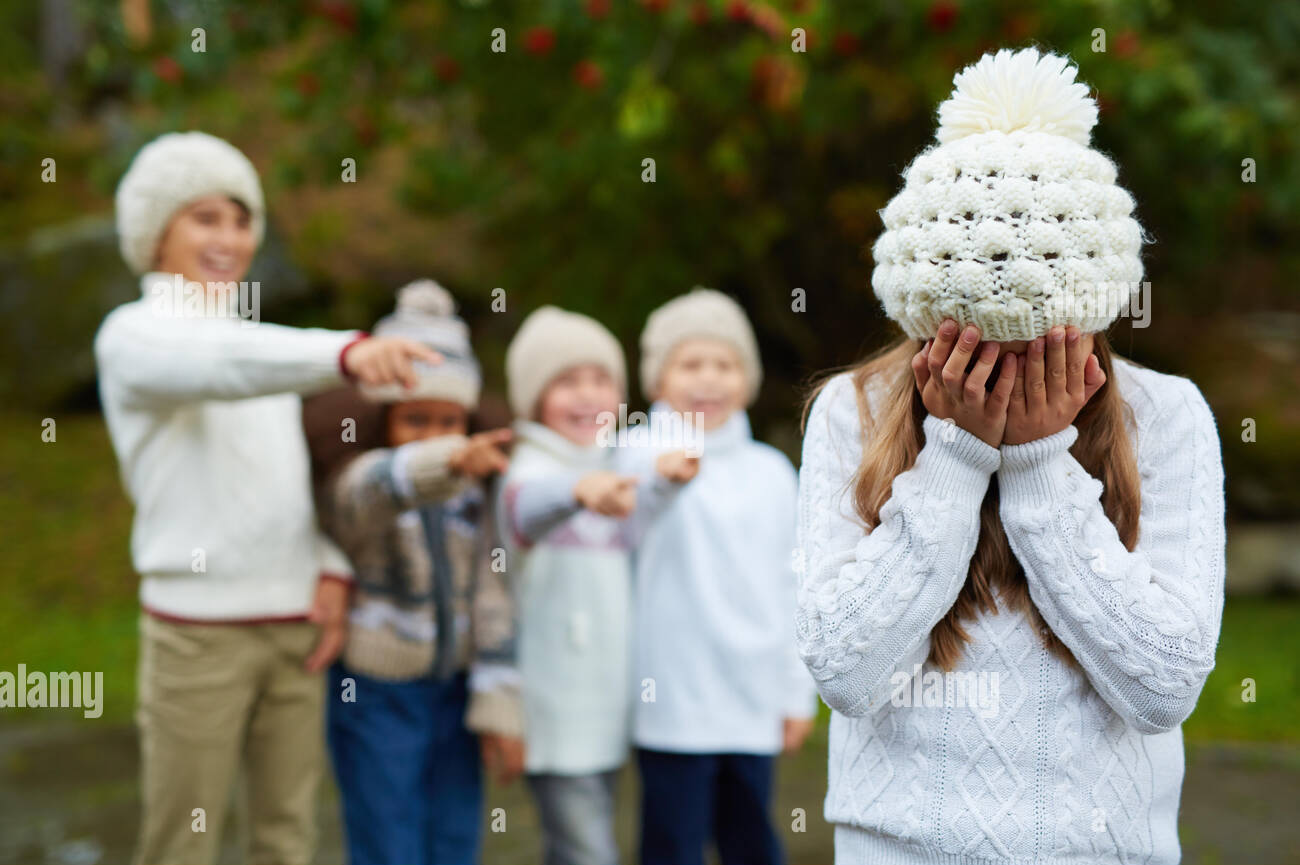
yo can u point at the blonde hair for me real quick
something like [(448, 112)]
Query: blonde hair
[(891, 442)]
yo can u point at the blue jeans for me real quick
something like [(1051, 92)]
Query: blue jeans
[(408, 770), (577, 817), (688, 799)]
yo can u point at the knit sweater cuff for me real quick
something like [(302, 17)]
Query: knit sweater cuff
[(1037, 471), (421, 470), (499, 711), (956, 461)]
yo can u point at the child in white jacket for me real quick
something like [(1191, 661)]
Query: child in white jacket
[(565, 513), (722, 688)]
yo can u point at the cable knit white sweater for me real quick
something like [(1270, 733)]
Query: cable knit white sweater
[(1072, 766)]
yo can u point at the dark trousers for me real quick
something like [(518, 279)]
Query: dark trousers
[(689, 799), (408, 771)]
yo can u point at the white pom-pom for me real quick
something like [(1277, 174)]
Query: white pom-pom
[(1020, 90), (427, 297)]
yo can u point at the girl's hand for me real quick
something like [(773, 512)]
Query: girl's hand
[(793, 732), (1058, 377), (503, 756), (607, 493), (948, 392), (381, 360), (484, 454), (678, 466)]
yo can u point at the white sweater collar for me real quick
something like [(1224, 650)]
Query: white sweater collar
[(546, 439), (734, 431)]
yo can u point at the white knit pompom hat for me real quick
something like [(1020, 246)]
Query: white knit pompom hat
[(170, 172), (1011, 222), (426, 313), (550, 341), (700, 313)]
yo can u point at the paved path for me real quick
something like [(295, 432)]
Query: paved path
[(68, 795)]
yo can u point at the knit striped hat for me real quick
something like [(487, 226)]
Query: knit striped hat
[(1011, 221), (426, 313)]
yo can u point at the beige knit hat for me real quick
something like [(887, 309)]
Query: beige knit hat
[(426, 313), (1011, 222), (550, 341), (701, 312), (167, 174)]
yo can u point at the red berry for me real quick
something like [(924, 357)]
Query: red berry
[(845, 44), (446, 68), (738, 10), (598, 8), (1126, 44), (700, 13), (340, 12), (539, 41), (941, 16), (168, 69), (588, 75)]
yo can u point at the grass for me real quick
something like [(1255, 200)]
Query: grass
[(68, 593)]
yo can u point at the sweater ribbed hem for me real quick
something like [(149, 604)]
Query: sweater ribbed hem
[(858, 846), (958, 461), (1030, 472)]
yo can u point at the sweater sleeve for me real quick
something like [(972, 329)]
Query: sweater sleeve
[(1144, 624), (535, 506), (496, 703), (868, 600), (378, 485), (332, 563), (160, 360)]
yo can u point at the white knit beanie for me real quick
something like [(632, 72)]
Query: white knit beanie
[(170, 172), (1011, 222), (426, 313), (550, 341), (700, 313)]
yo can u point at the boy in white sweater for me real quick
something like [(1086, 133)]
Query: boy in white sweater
[(243, 599), (722, 689)]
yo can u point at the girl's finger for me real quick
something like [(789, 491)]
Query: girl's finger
[(920, 370), (1093, 377), (1035, 388), (974, 392), (1017, 404), (954, 371), (1056, 364), (941, 347), (1075, 359), (1001, 395)]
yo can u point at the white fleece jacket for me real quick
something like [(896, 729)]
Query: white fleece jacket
[(205, 417), (1070, 765)]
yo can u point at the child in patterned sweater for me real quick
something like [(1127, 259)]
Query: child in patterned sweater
[(427, 676)]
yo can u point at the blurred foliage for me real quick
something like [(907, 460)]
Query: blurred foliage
[(524, 169)]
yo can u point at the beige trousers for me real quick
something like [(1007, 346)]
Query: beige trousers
[(212, 699)]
